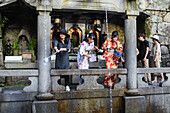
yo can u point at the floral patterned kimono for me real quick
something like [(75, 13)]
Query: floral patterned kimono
[(83, 60), (111, 60)]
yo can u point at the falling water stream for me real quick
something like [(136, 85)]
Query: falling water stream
[(46, 59), (156, 18), (156, 12), (110, 91), (45, 35)]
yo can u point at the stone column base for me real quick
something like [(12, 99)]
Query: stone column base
[(135, 104), (45, 96), (132, 92), (45, 106)]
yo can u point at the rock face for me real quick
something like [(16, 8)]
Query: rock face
[(112, 5), (167, 17), (159, 23)]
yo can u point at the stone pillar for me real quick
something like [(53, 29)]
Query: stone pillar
[(130, 51), (44, 23), (1, 47), (1, 55), (0, 26)]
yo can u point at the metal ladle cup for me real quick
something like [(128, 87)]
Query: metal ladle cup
[(47, 58)]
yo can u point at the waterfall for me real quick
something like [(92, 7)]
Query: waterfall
[(110, 91), (156, 12)]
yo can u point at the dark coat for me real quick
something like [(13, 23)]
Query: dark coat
[(62, 58)]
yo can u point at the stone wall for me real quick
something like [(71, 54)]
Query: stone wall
[(93, 105), (158, 22), (16, 102), (119, 28), (112, 5), (155, 103), (96, 101), (158, 103)]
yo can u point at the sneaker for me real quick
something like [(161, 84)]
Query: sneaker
[(67, 88)]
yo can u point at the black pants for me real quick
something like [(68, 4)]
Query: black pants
[(66, 77)]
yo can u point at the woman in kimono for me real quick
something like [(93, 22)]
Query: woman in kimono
[(62, 46), (110, 46), (83, 55)]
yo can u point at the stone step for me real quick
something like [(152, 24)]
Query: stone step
[(12, 89)]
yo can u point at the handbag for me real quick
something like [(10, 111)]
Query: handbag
[(117, 54)]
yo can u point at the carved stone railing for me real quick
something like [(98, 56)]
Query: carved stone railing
[(31, 74), (142, 71), (90, 77)]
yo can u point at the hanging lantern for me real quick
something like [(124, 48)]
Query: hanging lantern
[(97, 23), (57, 21)]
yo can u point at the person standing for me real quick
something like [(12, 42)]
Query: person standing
[(110, 46), (62, 46), (83, 55), (144, 56), (156, 55)]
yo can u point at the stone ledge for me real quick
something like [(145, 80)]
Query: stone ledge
[(132, 13), (88, 94), (18, 72), (87, 71), (17, 97), (34, 65), (154, 90), (42, 8), (19, 65), (6, 3), (153, 70)]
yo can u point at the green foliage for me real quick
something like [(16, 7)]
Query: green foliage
[(31, 44), (16, 45), (147, 28), (21, 85), (5, 85), (4, 21)]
